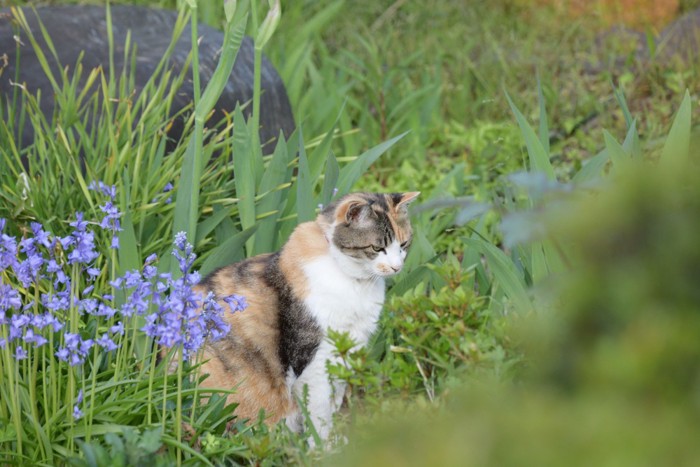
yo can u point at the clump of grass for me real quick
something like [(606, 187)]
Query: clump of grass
[(71, 335)]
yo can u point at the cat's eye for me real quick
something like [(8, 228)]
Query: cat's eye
[(404, 245), (378, 249)]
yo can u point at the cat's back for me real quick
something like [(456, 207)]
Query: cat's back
[(248, 278)]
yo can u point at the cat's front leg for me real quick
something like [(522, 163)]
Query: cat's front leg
[(322, 395)]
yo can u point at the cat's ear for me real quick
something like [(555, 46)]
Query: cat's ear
[(354, 212), (407, 198)]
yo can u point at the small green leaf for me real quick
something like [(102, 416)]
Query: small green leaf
[(620, 96), (228, 252), (544, 127), (330, 179), (539, 157), (274, 198), (205, 227), (617, 154), (304, 188), (354, 170), (505, 274), (243, 172), (677, 143), (592, 168)]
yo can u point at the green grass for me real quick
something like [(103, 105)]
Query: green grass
[(543, 254)]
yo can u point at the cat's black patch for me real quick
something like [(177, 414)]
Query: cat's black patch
[(245, 269), (209, 282), (299, 333)]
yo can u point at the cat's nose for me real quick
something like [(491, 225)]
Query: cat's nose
[(395, 268)]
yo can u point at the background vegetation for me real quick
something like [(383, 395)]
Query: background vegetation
[(548, 312)]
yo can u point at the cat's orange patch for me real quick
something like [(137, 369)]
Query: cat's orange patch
[(306, 243)]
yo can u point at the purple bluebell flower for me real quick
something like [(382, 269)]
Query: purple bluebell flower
[(20, 353), (75, 349), (212, 318), (58, 301), (9, 299), (41, 237), (117, 329), (31, 338), (132, 278), (66, 242), (52, 266), (149, 272), (27, 271), (102, 187), (88, 305), (112, 215), (61, 278), (8, 251), (111, 219), (77, 413), (236, 302), (106, 343), (26, 246), (63, 354), (55, 324), (183, 252), (105, 310), (79, 223), (166, 189), (17, 325), (86, 345), (39, 321), (82, 241)]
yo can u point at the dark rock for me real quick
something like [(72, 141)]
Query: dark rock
[(77, 28)]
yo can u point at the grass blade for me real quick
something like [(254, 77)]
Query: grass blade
[(544, 127), (228, 252), (539, 158), (304, 187), (354, 170), (677, 143), (275, 176), (504, 272), (243, 170), (330, 179)]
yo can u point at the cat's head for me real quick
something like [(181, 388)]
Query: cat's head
[(369, 233)]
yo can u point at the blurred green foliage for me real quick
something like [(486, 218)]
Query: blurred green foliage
[(612, 367)]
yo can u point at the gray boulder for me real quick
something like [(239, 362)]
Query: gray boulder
[(82, 28)]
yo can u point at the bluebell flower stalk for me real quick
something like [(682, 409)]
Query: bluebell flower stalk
[(57, 322)]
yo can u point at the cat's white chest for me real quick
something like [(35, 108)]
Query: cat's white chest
[(342, 303)]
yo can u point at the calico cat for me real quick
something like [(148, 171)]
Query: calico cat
[(329, 275)]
